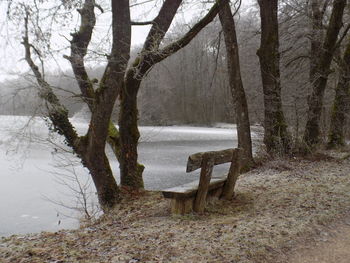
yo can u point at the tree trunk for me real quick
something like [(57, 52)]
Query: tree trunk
[(79, 45), (90, 148), (276, 137), (317, 35), (319, 75), (341, 101), (113, 140), (130, 171), (107, 190), (236, 85)]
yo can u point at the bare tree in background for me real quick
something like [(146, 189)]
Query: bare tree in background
[(198, 91), (236, 85), (341, 101), (276, 137), (321, 53)]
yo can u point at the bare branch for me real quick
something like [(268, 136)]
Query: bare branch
[(324, 8), (161, 24), (79, 45), (340, 40), (58, 114), (146, 23), (99, 8), (238, 7), (144, 2), (192, 33), (291, 61)]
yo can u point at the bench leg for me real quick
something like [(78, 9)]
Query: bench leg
[(215, 194), (204, 182), (181, 206)]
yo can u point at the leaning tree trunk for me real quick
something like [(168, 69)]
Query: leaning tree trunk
[(320, 76), (236, 85), (91, 147), (341, 101), (276, 137)]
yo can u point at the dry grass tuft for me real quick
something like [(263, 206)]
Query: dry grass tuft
[(275, 206)]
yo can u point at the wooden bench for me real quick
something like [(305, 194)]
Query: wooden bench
[(193, 196)]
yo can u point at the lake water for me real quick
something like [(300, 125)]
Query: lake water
[(35, 173)]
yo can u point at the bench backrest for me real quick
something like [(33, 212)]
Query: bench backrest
[(206, 161), (219, 157)]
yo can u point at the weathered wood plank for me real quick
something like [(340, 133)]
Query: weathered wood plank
[(232, 176), (195, 160), (194, 195), (182, 206), (204, 181), (190, 189)]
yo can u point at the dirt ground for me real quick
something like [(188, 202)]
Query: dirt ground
[(284, 211), (332, 246)]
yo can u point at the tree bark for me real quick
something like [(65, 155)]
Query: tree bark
[(116, 80), (91, 147), (129, 134), (320, 74), (341, 102), (106, 187), (150, 55), (114, 142), (276, 137), (236, 85), (79, 45), (105, 97), (317, 36), (130, 171), (91, 154)]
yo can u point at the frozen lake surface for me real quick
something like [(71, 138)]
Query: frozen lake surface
[(32, 162)]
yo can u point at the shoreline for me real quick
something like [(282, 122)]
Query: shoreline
[(277, 205)]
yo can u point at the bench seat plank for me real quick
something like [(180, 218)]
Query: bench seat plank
[(190, 189)]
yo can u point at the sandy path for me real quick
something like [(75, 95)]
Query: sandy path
[(333, 247)]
